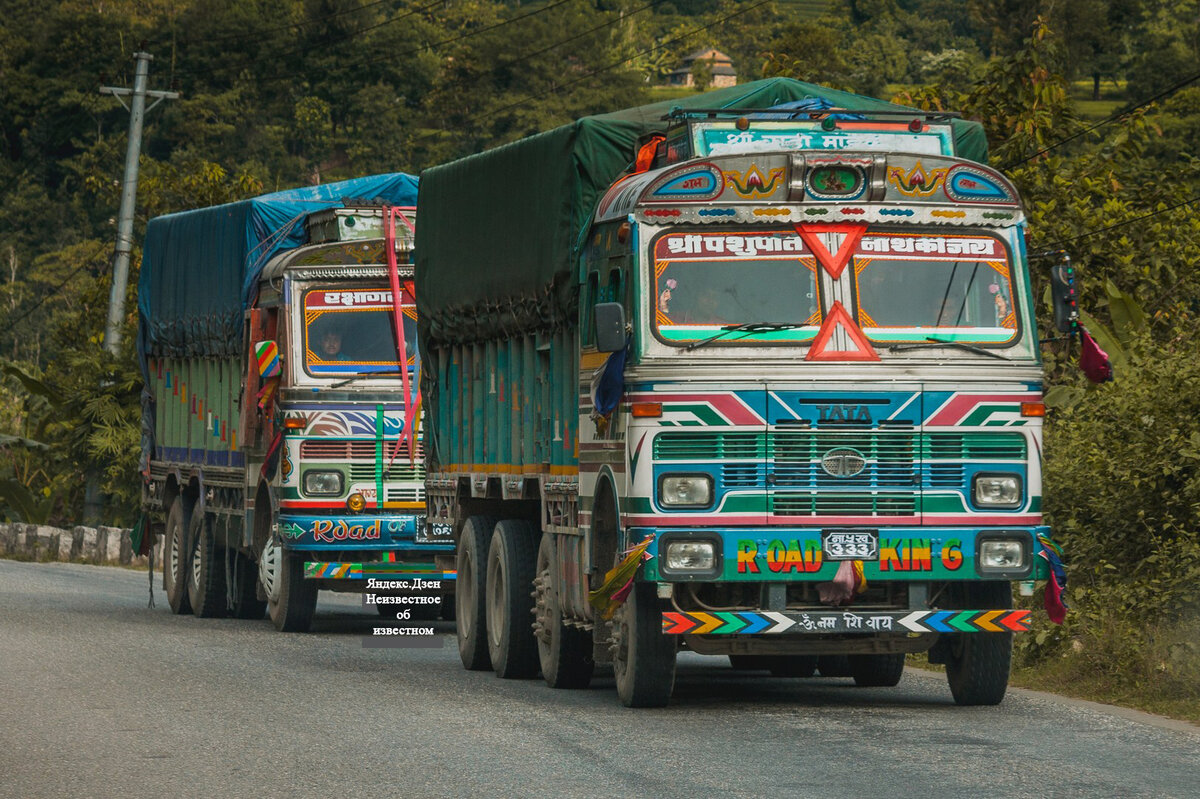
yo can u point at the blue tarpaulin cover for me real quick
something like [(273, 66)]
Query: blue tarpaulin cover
[(200, 268)]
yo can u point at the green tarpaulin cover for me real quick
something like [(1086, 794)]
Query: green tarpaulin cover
[(499, 231)]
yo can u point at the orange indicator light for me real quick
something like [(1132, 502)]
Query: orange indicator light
[(1033, 409), (647, 409)]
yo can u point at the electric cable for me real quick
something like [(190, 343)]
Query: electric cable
[(626, 60), (1058, 244), (1118, 115)]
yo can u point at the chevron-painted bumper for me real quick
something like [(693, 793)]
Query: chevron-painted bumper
[(792, 623), (336, 570)]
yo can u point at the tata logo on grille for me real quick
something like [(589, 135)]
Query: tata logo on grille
[(843, 462)]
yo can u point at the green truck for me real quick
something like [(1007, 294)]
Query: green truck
[(279, 447), (753, 374)]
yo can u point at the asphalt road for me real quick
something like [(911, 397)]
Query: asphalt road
[(101, 696)]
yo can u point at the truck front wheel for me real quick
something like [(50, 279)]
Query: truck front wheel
[(565, 652), (644, 660), (977, 664), (291, 600), (510, 564), (469, 591), (877, 670), (175, 559)]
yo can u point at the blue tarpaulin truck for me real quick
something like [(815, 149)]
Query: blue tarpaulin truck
[(276, 336)]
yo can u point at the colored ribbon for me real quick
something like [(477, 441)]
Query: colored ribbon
[(1052, 599)]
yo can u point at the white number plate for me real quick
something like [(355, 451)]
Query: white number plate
[(436, 533), (851, 545)]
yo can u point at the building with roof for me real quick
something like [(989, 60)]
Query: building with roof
[(720, 66)]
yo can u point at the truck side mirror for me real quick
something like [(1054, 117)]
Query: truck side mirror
[(1062, 294), (610, 326), (267, 355)]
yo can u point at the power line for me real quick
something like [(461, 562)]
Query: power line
[(391, 56), (623, 61), (312, 45), (1062, 242), (254, 34), (1118, 115), (451, 40), (12, 324)]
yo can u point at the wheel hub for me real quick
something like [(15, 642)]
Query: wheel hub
[(196, 562), (269, 563)]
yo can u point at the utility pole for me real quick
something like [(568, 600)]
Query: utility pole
[(93, 500), (137, 111)]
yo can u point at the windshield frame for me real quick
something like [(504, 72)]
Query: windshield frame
[(790, 334), (1009, 252), (930, 334), (379, 300)]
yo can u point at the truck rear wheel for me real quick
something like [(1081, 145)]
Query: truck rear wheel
[(206, 577), (644, 661), (470, 588), (877, 670), (246, 604), (175, 559), (565, 652), (977, 664), (792, 665), (291, 600), (834, 666), (510, 566), (749, 662)]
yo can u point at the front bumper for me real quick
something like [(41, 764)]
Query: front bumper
[(363, 533), (794, 554)]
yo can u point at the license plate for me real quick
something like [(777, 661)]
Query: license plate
[(850, 545), (435, 533)]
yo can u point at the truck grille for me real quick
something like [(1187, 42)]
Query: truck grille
[(335, 450), (787, 465), (811, 503)]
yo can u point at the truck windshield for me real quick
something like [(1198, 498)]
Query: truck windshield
[(350, 331), (910, 287), (706, 281), (897, 287)]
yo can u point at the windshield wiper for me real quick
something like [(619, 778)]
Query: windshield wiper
[(930, 341), (363, 376), (746, 327)]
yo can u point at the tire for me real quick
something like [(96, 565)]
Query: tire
[(291, 599), (176, 557), (978, 664), (470, 590), (206, 577), (750, 662), (877, 670), (564, 652), (834, 666), (510, 562), (792, 665), (246, 604), (644, 661)]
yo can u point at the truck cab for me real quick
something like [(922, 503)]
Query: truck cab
[(340, 496)]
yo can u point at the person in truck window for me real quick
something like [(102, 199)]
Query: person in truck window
[(331, 346)]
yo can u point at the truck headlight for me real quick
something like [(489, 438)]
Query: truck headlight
[(690, 556), (323, 484), (1004, 553), (685, 490), (997, 490)]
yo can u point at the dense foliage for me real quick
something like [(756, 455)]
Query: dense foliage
[(278, 93)]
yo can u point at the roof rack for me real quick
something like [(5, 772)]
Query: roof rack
[(677, 113)]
